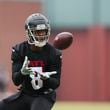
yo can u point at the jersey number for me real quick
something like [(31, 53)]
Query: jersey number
[(36, 82)]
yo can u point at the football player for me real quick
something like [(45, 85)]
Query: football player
[(36, 68)]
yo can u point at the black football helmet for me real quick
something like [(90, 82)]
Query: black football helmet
[(35, 23)]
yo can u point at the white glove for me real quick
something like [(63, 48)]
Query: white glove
[(46, 75), (25, 70)]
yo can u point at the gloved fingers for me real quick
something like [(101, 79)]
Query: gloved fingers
[(51, 73), (30, 71), (26, 62)]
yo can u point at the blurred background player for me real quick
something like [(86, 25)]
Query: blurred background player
[(36, 68), (4, 81)]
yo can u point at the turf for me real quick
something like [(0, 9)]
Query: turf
[(82, 106)]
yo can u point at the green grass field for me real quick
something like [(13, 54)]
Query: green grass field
[(82, 106)]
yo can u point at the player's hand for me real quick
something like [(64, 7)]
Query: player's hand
[(25, 70), (46, 75)]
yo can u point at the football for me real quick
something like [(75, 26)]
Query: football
[(63, 40)]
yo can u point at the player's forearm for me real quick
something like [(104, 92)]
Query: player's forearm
[(52, 83), (17, 78)]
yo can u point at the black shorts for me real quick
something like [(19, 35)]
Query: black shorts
[(22, 101)]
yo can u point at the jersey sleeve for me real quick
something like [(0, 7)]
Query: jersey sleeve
[(17, 77)]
